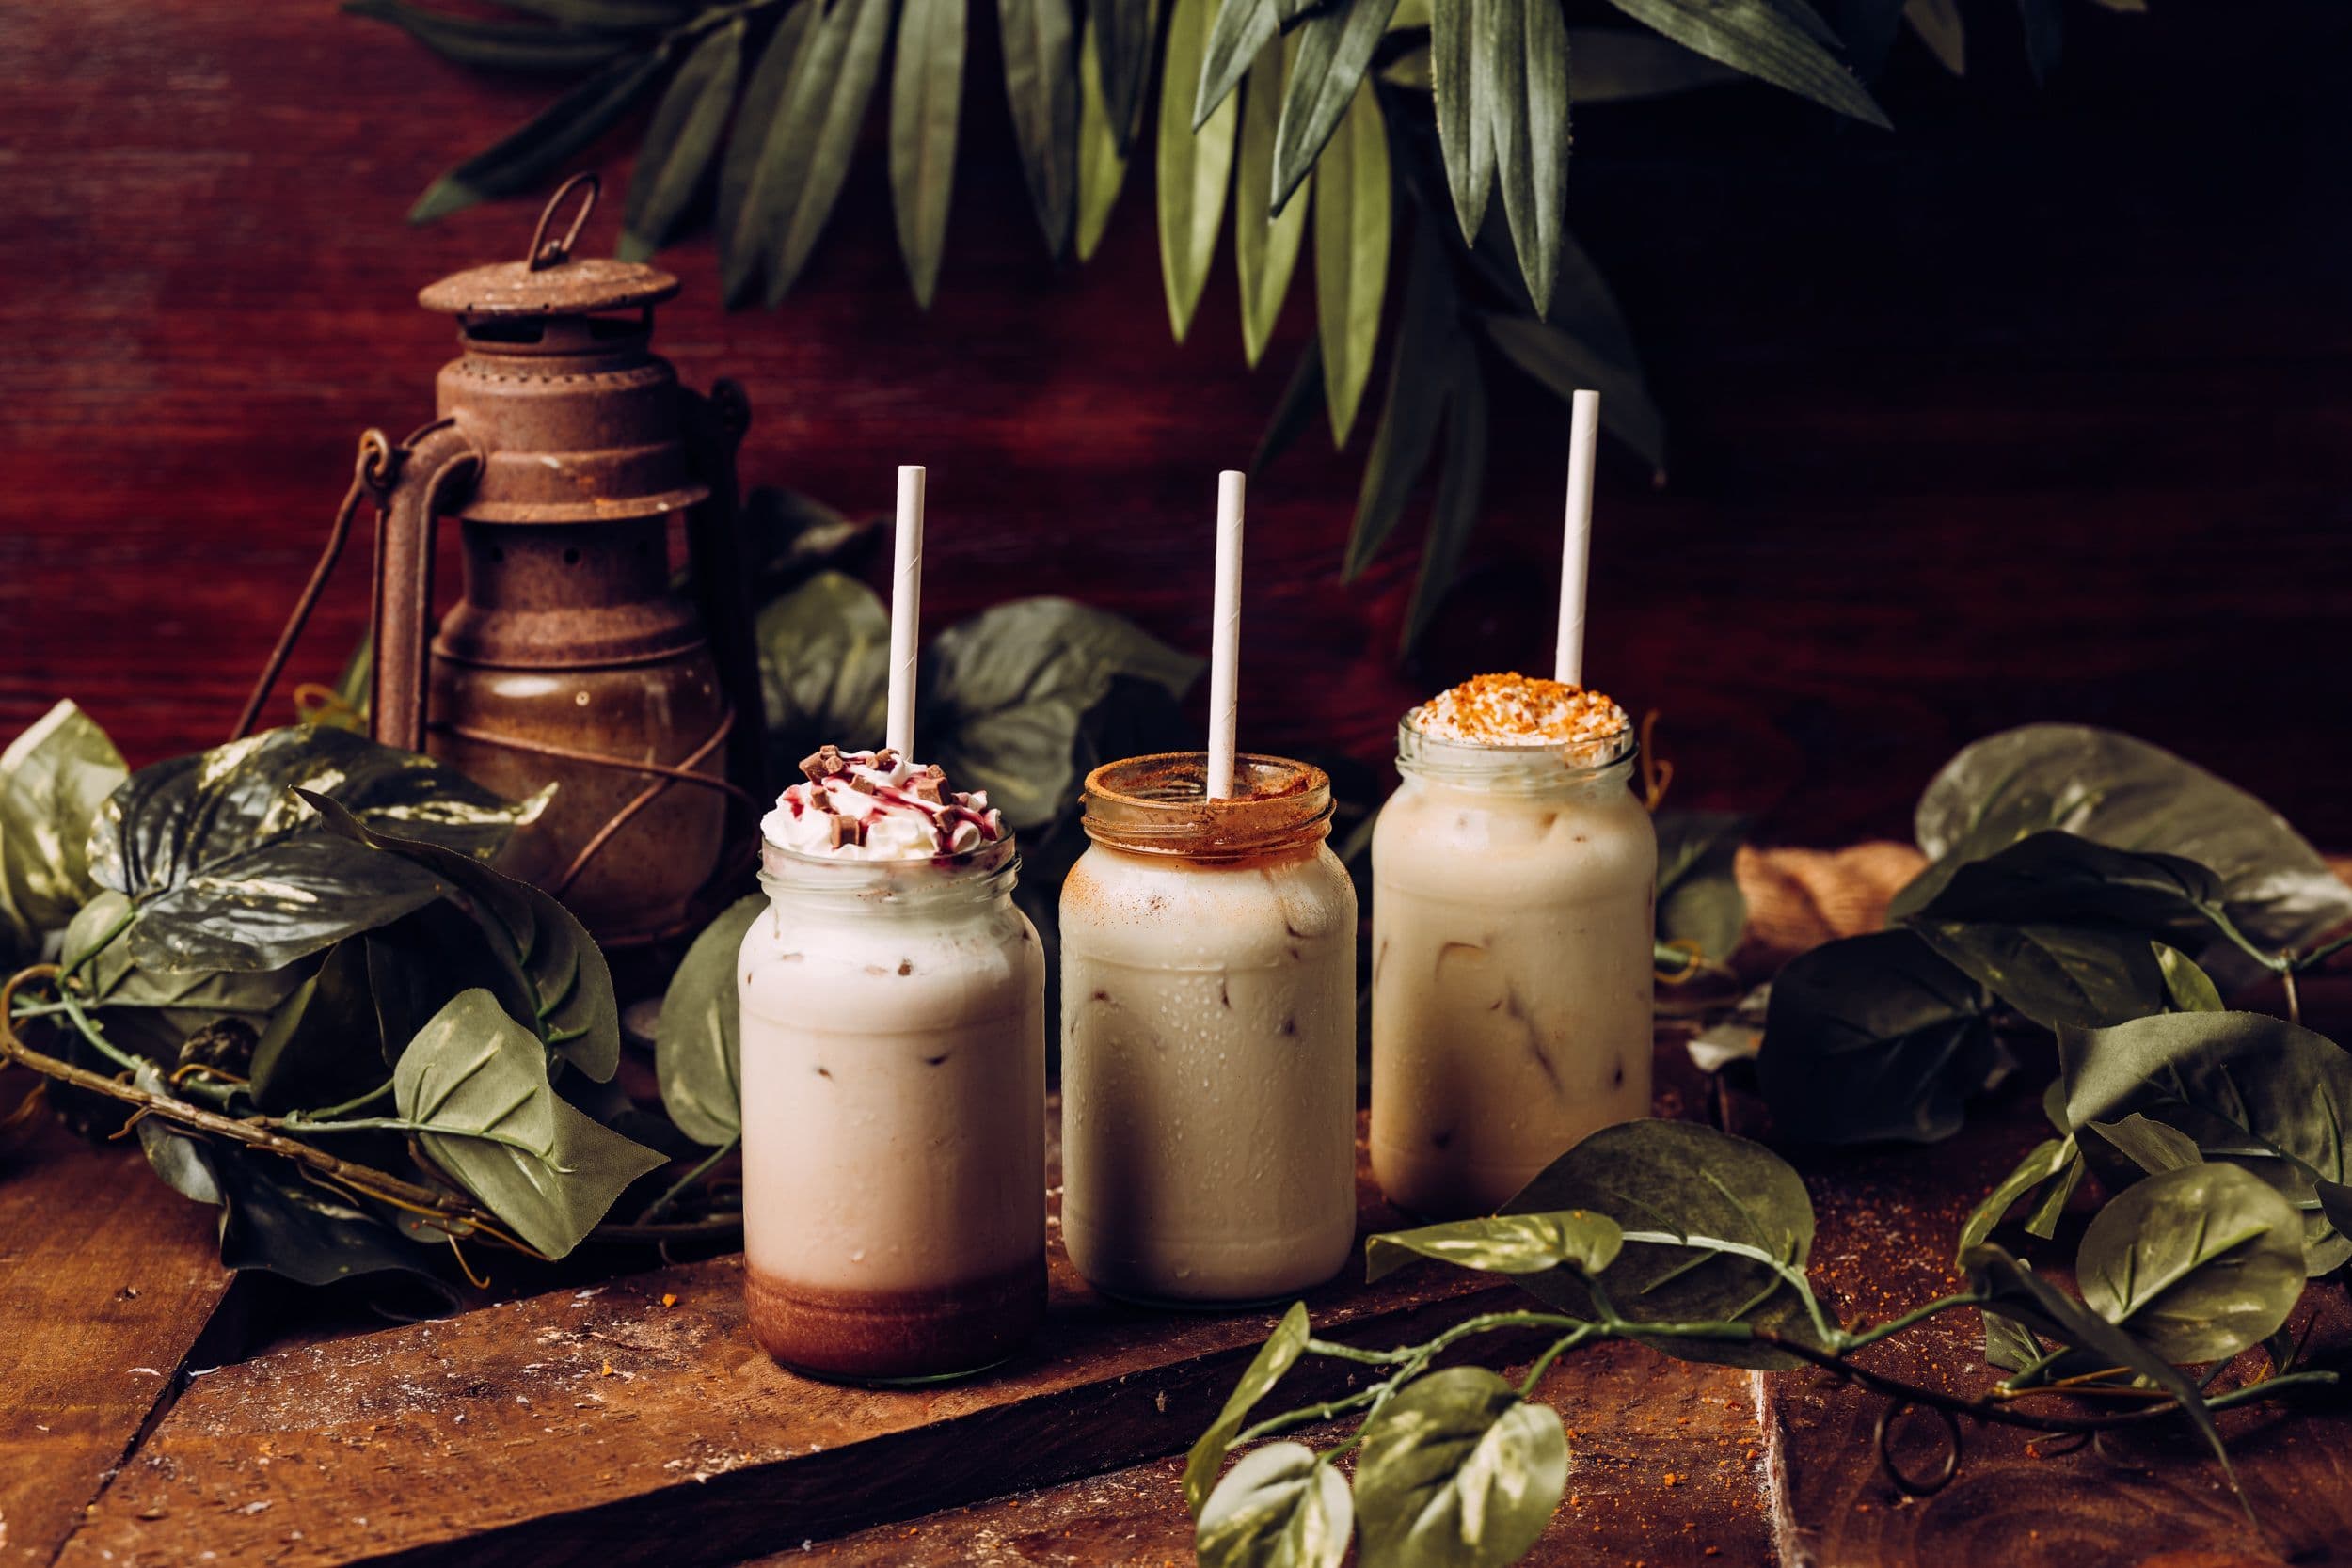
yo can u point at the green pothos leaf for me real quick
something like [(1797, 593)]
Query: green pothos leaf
[(1713, 1227), (225, 870), (474, 1084), (1004, 694), (1278, 1355), (1278, 1508), (1351, 226), (2034, 1304), (2248, 1088), (1698, 885), (698, 1045), (1265, 243), (320, 1047), (1457, 1470), (1502, 1244), (680, 142), (1041, 84), (54, 778), (824, 668), (1876, 1036), (2126, 794), (2190, 988), (2198, 1263), (528, 931), (926, 104), (1194, 167), (2049, 1159)]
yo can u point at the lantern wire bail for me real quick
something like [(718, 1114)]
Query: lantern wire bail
[(546, 253)]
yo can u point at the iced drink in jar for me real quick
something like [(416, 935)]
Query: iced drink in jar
[(1513, 877), (1208, 955), (894, 1080)]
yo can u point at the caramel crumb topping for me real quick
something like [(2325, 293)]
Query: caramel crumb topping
[(1512, 709)]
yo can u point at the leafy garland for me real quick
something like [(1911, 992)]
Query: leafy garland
[(2218, 1139), (290, 965), (1340, 116)]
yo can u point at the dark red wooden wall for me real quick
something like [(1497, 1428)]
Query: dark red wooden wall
[(2040, 408)]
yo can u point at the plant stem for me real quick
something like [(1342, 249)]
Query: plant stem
[(401, 1124), (2295, 1002), (445, 1211), (349, 1105), (129, 913), (662, 1205), (1543, 1363), (2321, 954), (1917, 1314)]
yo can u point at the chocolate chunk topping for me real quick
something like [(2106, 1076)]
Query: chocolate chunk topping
[(931, 785), (846, 830)]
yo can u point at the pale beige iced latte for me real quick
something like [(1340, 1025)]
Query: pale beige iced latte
[(1513, 877), (894, 1080), (1208, 1034)]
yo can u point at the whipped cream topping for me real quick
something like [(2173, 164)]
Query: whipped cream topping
[(1512, 709), (878, 806)]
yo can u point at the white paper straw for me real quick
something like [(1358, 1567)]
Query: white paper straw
[(906, 609), (1577, 543), (1225, 636)]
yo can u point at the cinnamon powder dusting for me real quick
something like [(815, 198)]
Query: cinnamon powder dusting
[(1512, 709)]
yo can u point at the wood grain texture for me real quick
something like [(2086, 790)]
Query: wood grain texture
[(609, 1425), (111, 1277), (2036, 409), (1638, 1417), (1886, 1224), (636, 1421)]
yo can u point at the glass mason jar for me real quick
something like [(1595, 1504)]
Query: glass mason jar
[(894, 1115), (1208, 952), (1510, 964)]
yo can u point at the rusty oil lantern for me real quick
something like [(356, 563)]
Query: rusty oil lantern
[(563, 447)]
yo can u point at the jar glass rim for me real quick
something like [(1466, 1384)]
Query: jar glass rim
[(1539, 764), (910, 877), (1159, 804)]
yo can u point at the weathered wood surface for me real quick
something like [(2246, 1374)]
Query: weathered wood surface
[(109, 1278), (1887, 1221), (1665, 1469), (2035, 408), (637, 1422)]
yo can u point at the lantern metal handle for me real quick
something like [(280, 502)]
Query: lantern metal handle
[(546, 253)]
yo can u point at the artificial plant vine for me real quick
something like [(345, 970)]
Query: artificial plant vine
[(1704, 1258), (289, 968), (1437, 130)]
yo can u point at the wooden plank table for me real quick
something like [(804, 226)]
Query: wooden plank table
[(111, 1277), (633, 1421)]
